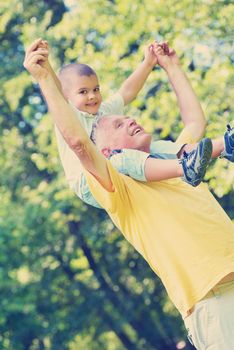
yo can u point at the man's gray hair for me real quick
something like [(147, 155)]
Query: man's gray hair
[(93, 135)]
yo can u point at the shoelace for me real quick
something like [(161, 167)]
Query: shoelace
[(229, 127), (189, 155)]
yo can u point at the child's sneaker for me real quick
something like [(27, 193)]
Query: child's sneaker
[(195, 163), (228, 151)]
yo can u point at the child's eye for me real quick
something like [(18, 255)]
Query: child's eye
[(97, 89), (83, 92)]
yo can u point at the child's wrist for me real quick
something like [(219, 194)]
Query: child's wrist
[(148, 65)]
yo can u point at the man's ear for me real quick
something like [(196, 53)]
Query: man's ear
[(106, 152)]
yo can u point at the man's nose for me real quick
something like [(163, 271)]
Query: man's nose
[(131, 122)]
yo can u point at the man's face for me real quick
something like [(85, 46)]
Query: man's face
[(84, 93), (118, 132)]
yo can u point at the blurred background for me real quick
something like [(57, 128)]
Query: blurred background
[(68, 280)]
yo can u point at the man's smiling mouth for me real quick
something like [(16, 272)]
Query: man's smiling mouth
[(136, 130)]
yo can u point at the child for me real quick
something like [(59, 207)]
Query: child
[(80, 86)]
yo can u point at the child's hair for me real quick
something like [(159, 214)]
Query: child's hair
[(75, 68)]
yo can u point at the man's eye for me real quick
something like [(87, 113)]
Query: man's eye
[(119, 125)]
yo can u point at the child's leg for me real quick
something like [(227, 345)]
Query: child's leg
[(191, 167), (222, 146), (218, 147), (162, 169)]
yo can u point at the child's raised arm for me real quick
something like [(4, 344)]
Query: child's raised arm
[(134, 83)]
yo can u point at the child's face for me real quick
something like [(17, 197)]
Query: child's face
[(84, 93)]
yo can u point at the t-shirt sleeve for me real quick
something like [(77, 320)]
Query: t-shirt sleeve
[(130, 162), (114, 105), (108, 200), (165, 149)]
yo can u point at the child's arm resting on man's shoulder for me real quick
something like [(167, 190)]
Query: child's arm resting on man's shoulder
[(134, 83)]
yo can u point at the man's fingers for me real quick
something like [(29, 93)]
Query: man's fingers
[(43, 44), (36, 59), (38, 52), (33, 59), (171, 52), (165, 47), (33, 46)]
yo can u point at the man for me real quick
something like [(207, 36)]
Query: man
[(181, 231)]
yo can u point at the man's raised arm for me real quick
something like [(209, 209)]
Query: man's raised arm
[(190, 109), (64, 117)]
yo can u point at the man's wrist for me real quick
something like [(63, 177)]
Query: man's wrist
[(172, 67), (47, 84), (45, 79)]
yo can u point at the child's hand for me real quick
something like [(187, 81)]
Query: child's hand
[(35, 60), (165, 55), (150, 57)]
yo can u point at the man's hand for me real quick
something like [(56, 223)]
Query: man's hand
[(166, 56), (36, 59)]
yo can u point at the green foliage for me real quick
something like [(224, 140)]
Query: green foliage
[(68, 280)]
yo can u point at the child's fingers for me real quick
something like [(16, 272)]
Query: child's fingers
[(151, 49), (148, 48), (158, 50), (157, 45)]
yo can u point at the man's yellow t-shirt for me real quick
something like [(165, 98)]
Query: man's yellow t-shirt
[(181, 231)]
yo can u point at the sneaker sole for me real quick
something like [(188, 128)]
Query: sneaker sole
[(229, 143), (205, 154)]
